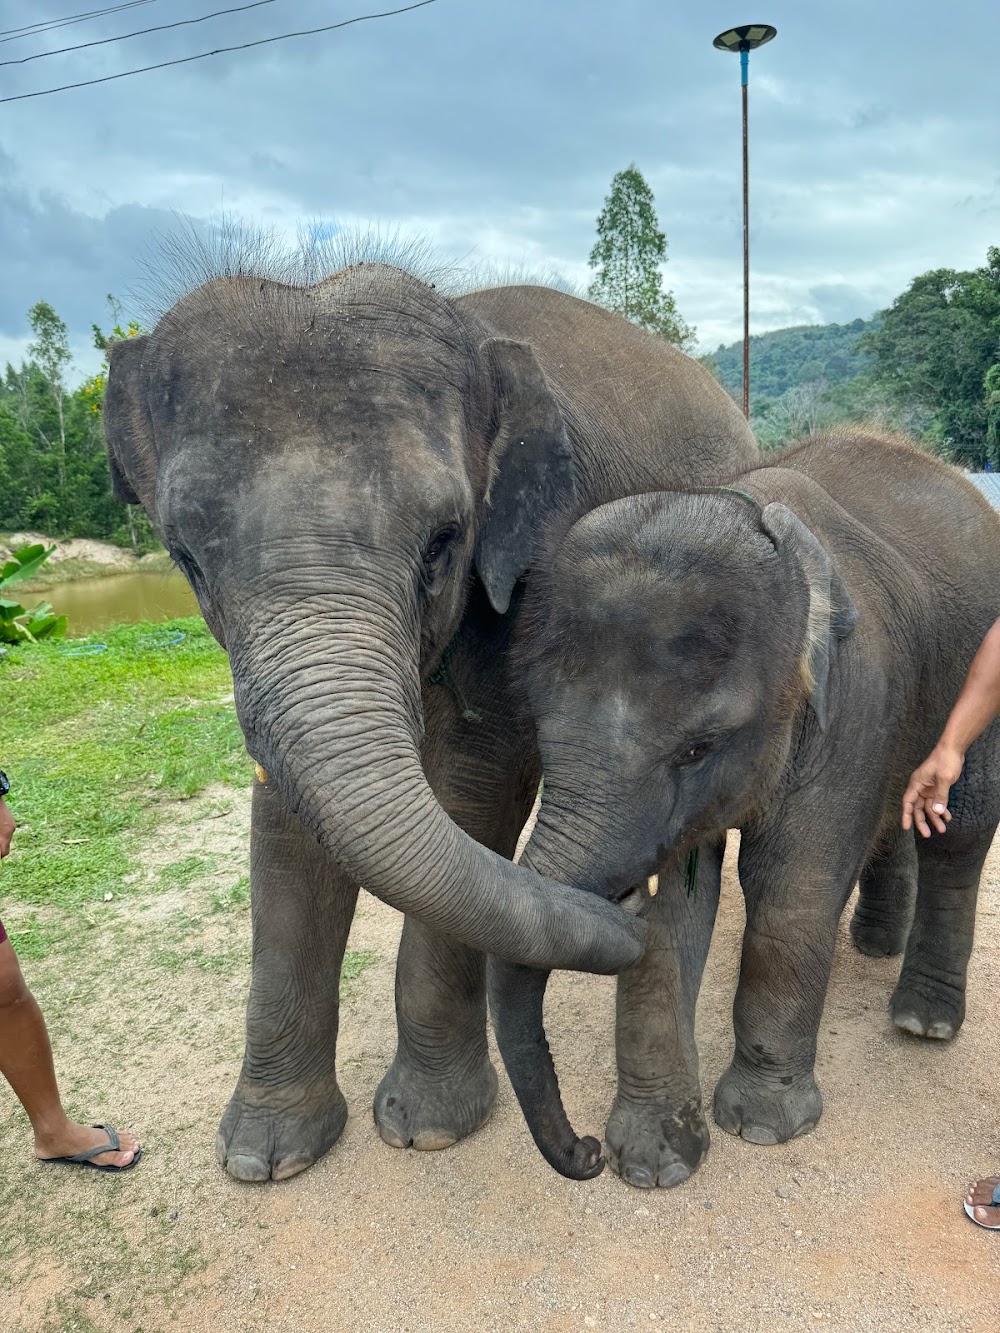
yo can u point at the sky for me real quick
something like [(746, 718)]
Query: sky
[(492, 128)]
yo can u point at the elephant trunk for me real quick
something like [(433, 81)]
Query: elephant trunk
[(516, 996), (328, 695)]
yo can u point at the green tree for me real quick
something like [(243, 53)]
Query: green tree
[(936, 347), (627, 257), (992, 386), (50, 352), (53, 461)]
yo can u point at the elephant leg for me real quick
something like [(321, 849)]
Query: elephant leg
[(657, 1133), (288, 1110), (929, 999), (441, 1085), (887, 890), (794, 902)]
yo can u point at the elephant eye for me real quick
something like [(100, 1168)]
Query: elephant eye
[(189, 568), (691, 754), (438, 545)]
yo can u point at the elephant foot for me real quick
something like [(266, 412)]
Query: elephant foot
[(416, 1109), (878, 938), (658, 1144), (766, 1112), (257, 1141), (927, 1008)]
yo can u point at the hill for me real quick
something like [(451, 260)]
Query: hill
[(783, 359)]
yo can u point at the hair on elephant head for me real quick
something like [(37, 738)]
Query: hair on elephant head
[(677, 644), (330, 464)]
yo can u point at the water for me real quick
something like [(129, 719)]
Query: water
[(119, 599)]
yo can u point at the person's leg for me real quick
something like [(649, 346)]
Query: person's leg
[(26, 1064)]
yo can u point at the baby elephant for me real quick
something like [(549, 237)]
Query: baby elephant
[(776, 657)]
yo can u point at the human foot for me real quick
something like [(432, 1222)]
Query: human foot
[(72, 1139), (982, 1203)]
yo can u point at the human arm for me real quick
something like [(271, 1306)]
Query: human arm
[(926, 795)]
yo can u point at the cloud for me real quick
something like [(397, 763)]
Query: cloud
[(494, 132)]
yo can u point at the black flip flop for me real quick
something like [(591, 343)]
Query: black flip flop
[(84, 1158)]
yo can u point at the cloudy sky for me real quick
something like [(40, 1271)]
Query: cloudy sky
[(493, 127)]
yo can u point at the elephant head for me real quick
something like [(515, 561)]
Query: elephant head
[(330, 466), (672, 648)]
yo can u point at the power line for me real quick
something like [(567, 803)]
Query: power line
[(47, 25), (141, 32), (221, 50)]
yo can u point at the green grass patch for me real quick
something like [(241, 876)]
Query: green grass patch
[(233, 898), (355, 962), (92, 744), (223, 962)]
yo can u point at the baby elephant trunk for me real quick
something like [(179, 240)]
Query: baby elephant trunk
[(516, 997)]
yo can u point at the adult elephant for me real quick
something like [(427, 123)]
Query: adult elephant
[(775, 657), (354, 476)]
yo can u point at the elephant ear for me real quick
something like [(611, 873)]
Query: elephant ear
[(127, 426), (832, 614), (531, 468)]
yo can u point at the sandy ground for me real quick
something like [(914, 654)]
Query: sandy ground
[(856, 1226)]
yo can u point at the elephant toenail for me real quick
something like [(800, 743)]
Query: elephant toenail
[(759, 1134), (910, 1023), (250, 1169), (674, 1174), (638, 1176), (942, 1031)]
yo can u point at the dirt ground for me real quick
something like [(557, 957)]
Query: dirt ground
[(857, 1226)]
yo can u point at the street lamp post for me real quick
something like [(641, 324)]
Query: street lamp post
[(745, 40)]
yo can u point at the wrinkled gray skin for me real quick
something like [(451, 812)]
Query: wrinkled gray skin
[(353, 477), (779, 665)]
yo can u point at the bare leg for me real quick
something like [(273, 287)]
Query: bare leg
[(26, 1064), (288, 1110), (656, 1133)]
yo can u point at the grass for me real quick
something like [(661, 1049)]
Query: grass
[(94, 743)]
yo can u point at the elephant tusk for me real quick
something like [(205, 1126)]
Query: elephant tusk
[(261, 772), (653, 885)]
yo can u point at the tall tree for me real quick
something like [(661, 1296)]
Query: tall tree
[(628, 256), (936, 347), (50, 352)]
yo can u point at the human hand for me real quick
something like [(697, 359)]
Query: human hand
[(6, 828), (926, 796)]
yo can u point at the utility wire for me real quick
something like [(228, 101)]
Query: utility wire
[(46, 25), (141, 32), (221, 50)]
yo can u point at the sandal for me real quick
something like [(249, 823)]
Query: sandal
[(84, 1158)]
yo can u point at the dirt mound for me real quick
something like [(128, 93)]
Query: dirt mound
[(72, 548)]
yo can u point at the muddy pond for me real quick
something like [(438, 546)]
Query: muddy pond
[(118, 599)]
